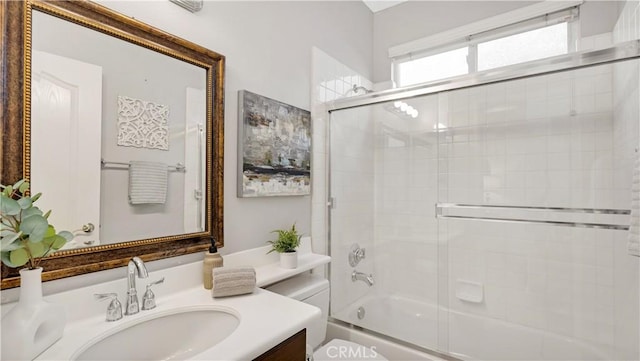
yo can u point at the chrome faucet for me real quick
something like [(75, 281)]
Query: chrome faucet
[(135, 268), (359, 276)]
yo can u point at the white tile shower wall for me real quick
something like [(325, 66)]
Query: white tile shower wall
[(626, 135), (352, 178), (406, 190), (352, 218), (541, 141), (544, 141)]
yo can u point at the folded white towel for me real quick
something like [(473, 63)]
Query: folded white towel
[(147, 182), (633, 243), (231, 281)]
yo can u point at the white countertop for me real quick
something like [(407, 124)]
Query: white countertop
[(266, 318)]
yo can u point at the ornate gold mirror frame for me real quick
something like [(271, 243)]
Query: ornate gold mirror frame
[(15, 125)]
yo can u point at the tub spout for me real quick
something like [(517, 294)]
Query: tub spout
[(359, 276)]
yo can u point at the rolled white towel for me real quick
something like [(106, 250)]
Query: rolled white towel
[(232, 281)]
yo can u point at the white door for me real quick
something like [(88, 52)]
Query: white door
[(194, 154), (66, 116)]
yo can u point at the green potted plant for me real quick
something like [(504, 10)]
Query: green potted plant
[(286, 244), (25, 238), (26, 235)]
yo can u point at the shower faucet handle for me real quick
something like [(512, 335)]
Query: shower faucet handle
[(356, 254)]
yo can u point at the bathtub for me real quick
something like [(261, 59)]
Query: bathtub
[(393, 351), (469, 337)]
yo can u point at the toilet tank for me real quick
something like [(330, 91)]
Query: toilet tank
[(311, 289)]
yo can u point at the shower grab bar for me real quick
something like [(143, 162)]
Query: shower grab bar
[(179, 167), (441, 206)]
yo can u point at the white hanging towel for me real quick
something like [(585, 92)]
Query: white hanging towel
[(634, 227), (147, 182)]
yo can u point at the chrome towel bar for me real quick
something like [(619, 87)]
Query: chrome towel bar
[(441, 206), (532, 208), (179, 167)]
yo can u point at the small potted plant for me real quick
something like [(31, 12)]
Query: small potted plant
[(286, 244)]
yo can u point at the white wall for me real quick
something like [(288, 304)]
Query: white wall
[(268, 51)]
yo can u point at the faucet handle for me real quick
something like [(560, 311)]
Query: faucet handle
[(114, 310), (356, 254), (149, 298)]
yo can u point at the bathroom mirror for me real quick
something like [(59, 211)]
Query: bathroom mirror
[(98, 109)]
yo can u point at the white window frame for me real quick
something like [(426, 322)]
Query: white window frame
[(519, 21)]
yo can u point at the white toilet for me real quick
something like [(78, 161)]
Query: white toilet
[(314, 290)]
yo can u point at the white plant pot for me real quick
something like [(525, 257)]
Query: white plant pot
[(33, 324), (289, 259)]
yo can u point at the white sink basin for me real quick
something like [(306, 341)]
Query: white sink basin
[(174, 335)]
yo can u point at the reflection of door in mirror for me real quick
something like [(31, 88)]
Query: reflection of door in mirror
[(195, 149), (66, 108)]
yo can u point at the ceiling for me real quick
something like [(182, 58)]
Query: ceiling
[(378, 5)]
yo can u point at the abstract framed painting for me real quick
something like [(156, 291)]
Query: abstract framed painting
[(274, 148)]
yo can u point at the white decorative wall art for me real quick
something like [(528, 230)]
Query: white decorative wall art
[(142, 124)]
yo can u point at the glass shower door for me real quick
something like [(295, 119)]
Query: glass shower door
[(534, 201), (383, 184), (491, 222)]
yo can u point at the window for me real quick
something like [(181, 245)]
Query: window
[(439, 66), (531, 45), (505, 44)]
